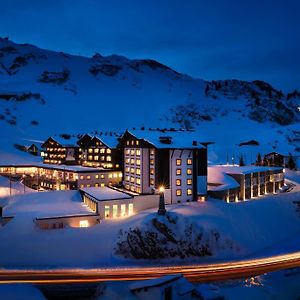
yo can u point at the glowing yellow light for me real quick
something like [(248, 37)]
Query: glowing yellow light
[(161, 189), (84, 223)]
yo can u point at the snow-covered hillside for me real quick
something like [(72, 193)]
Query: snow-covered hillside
[(229, 231), (44, 93)]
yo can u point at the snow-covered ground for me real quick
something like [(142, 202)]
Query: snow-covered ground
[(20, 292), (256, 226), (8, 188)]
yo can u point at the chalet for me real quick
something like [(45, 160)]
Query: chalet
[(61, 150), (33, 149), (234, 183), (174, 160), (280, 160), (100, 151)]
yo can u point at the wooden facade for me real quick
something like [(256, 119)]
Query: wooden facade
[(58, 153)]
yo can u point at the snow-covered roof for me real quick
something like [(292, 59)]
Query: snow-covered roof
[(220, 180), (154, 282), (69, 142), (110, 140), (69, 168), (178, 139), (235, 169), (105, 193)]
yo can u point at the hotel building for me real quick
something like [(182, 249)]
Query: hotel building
[(172, 159)]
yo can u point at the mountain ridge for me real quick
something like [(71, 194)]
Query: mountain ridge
[(44, 92)]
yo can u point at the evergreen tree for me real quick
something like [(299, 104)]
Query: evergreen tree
[(241, 163), (258, 160), (291, 163)]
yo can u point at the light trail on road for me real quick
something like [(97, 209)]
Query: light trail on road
[(194, 273)]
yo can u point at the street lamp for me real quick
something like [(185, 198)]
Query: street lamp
[(161, 209)]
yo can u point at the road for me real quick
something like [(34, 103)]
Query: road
[(194, 273)]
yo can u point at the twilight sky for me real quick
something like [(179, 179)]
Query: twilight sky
[(212, 39)]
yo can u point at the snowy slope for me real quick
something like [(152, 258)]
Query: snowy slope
[(251, 225), (44, 93)]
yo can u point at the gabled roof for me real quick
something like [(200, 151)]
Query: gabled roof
[(64, 142), (109, 139), (168, 139)]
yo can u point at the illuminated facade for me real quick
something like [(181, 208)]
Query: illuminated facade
[(100, 151), (156, 159), (241, 183), (60, 151)]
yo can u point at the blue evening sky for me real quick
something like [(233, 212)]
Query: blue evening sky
[(211, 39)]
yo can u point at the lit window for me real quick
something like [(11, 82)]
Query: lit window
[(151, 181), (102, 185), (189, 161), (106, 211), (102, 176), (152, 152), (110, 175), (96, 150), (90, 150), (88, 185), (96, 184), (102, 158), (137, 143), (132, 143), (88, 177), (97, 176), (178, 192), (120, 175), (132, 161), (189, 171), (189, 181), (81, 177), (108, 151), (138, 181), (178, 162), (152, 171), (123, 210), (189, 192), (178, 182), (151, 161), (127, 151), (84, 223), (108, 158), (115, 210), (132, 152), (90, 157), (178, 171), (132, 170), (102, 150), (115, 175), (138, 171), (96, 157), (138, 162), (127, 143), (138, 152), (130, 209)]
